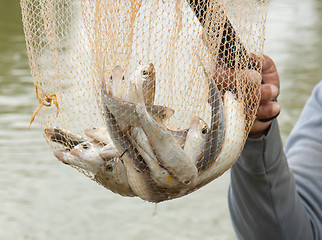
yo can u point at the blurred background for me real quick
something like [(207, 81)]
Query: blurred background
[(41, 198)]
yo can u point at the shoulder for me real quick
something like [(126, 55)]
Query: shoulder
[(307, 131), (313, 106), (317, 93)]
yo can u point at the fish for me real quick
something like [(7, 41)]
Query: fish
[(110, 174), (120, 87), (63, 137), (113, 176), (196, 139), (116, 83), (235, 136), (149, 84), (159, 174), (98, 134), (65, 157), (125, 112), (109, 151), (168, 151), (85, 160), (121, 103), (146, 74), (77, 148), (89, 153), (138, 173), (179, 135), (217, 126)]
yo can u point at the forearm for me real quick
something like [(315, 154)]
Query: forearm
[(263, 200)]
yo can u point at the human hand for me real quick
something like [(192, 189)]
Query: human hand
[(269, 108)]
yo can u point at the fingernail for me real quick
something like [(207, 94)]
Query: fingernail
[(269, 119), (276, 107), (274, 90)]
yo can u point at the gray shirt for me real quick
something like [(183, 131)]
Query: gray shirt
[(276, 194)]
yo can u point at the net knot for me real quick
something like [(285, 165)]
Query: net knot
[(46, 101)]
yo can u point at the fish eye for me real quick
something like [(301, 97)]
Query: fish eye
[(204, 130), (94, 128), (144, 72), (109, 167), (123, 78), (85, 146), (111, 78), (187, 182)]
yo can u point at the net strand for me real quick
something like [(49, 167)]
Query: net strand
[(196, 63)]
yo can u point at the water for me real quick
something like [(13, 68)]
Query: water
[(41, 198)]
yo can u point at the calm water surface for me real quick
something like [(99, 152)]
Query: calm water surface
[(40, 198)]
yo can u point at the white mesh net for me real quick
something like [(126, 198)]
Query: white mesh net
[(149, 98)]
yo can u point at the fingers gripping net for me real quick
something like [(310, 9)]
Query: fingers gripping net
[(149, 98)]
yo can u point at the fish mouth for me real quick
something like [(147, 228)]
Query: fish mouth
[(195, 121), (149, 68), (60, 155), (169, 113), (75, 152), (89, 132), (49, 132)]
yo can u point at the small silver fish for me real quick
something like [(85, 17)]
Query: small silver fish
[(120, 87), (94, 153), (138, 173), (89, 154), (159, 174), (120, 103), (98, 134), (146, 75), (65, 157), (63, 137), (116, 83), (233, 142), (196, 139), (109, 151), (149, 84), (179, 135), (88, 163), (166, 148), (125, 114), (217, 126), (112, 175)]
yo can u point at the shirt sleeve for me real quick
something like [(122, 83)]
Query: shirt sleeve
[(271, 199)]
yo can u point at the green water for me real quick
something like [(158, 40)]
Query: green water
[(40, 198)]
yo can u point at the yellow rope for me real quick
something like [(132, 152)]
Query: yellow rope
[(46, 101)]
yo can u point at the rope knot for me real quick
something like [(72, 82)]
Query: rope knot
[(46, 101)]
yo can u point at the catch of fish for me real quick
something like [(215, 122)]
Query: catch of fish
[(135, 154)]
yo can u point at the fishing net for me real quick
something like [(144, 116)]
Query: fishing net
[(150, 98)]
